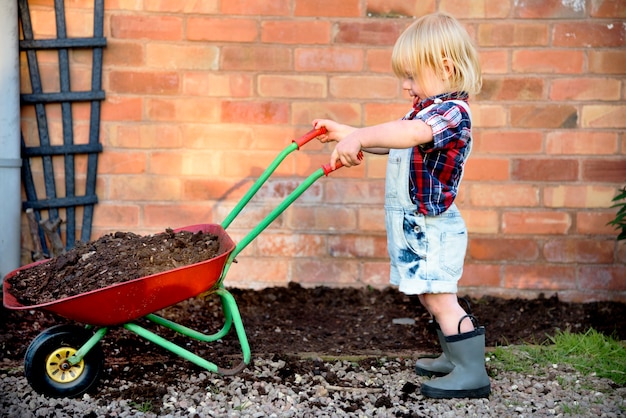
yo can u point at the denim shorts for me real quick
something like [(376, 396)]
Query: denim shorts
[(427, 252)]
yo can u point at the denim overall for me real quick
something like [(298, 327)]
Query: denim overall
[(427, 252)]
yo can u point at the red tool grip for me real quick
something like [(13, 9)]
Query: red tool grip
[(328, 169), (313, 133)]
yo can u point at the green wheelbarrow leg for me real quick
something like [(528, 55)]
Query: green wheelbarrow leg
[(232, 316), (89, 344)]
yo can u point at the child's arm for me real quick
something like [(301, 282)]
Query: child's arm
[(378, 139)]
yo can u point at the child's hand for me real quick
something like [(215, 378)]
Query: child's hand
[(335, 131), (348, 152)]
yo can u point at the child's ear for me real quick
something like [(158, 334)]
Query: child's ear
[(448, 68)]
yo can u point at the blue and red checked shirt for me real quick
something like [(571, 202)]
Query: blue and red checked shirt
[(437, 166)]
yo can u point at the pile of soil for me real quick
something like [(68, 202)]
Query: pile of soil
[(111, 259)]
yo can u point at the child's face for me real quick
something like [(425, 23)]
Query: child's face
[(428, 85)]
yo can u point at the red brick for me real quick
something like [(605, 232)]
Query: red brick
[(481, 221), (603, 116), (316, 272), (112, 162), (122, 216), (162, 28), (480, 275), (292, 86), (352, 87), (494, 61), (539, 223), (357, 246), (146, 136), (375, 274), (175, 6), (581, 143), (605, 170), (611, 278), (541, 9), (176, 216), (245, 7), (303, 113), (123, 54), (475, 9), (354, 192), (488, 169), (393, 8), (510, 195), (517, 89), (142, 188), (518, 34), (291, 245), (540, 277), (608, 9), (589, 34), (507, 142), (213, 189), (116, 108), (594, 222), (329, 59), (371, 219), (544, 116), (167, 163), (377, 33), (166, 83), (326, 218), (498, 249), (254, 112), (544, 170), (258, 272), (217, 85), (328, 8), (222, 29), (379, 60), (184, 110), (607, 62), (580, 88), (384, 112), (187, 56), (296, 32), (551, 61), (585, 196), (578, 251), (488, 116), (255, 58)]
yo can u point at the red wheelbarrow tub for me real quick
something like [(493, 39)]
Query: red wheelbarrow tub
[(124, 302)]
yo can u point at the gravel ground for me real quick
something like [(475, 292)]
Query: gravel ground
[(386, 387)]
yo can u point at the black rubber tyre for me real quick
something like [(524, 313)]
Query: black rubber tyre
[(47, 371)]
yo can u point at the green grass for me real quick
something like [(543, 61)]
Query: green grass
[(590, 352)]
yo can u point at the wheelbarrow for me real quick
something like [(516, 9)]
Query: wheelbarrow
[(67, 360)]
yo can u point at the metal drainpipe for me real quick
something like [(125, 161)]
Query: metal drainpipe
[(10, 161)]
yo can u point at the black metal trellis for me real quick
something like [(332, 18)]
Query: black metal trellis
[(52, 202)]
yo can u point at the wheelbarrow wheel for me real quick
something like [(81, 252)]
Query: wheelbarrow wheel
[(46, 367)]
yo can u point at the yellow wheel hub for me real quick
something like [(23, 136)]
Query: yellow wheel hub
[(60, 369)]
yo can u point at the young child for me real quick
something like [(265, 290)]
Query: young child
[(426, 235)]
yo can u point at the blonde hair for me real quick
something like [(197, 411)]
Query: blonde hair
[(431, 42)]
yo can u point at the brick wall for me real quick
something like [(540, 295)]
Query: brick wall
[(202, 95)]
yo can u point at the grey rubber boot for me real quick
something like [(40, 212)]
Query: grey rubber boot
[(439, 366), (469, 378)]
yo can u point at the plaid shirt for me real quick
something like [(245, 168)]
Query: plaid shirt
[(437, 167)]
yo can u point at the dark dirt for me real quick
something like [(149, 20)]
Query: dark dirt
[(111, 259), (290, 322)]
